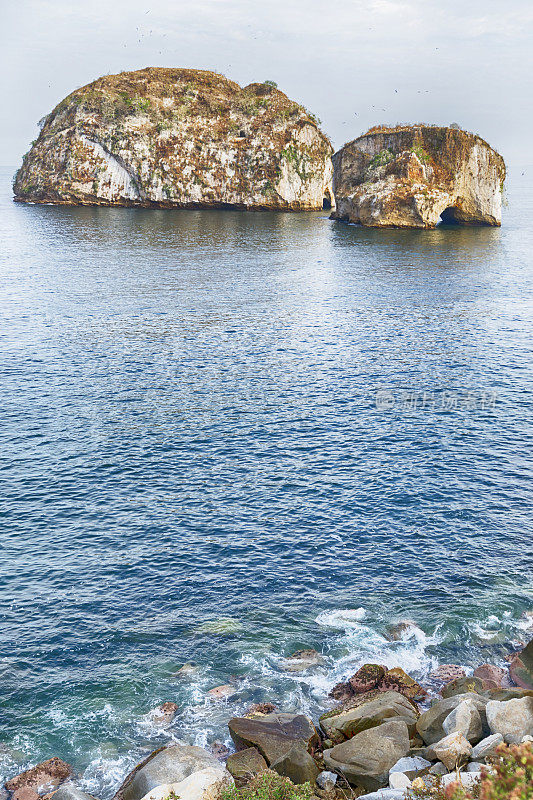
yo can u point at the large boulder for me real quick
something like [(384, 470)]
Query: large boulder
[(273, 734), (297, 765), (492, 676), (205, 784), (463, 686), (397, 679), (465, 719), (521, 667), (366, 678), (244, 764), (430, 723), (415, 176), (39, 780), (165, 766), (487, 747), (170, 138), (365, 759), (512, 718), (452, 750), (361, 714)]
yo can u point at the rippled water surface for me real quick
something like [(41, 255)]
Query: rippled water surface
[(226, 436)]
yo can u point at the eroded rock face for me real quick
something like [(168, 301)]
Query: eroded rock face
[(178, 138), (412, 177)]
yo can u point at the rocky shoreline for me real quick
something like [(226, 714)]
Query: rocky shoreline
[(385, 737)]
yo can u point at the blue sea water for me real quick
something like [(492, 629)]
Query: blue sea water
[(226, 436)]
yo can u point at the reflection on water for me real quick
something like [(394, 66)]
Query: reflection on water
[(254, 416)]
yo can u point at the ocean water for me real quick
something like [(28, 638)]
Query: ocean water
[(226, 436)]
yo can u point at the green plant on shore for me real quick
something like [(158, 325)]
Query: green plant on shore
[(268, 786), (511, 778)]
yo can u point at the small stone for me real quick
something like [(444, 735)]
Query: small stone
[(326, 780), (301, 661), (260, 708), (465, 719), (221, 692), (453, 750), (410, 764), (526, 738), (467, 779), (418, 784), (399, 780), (438, 769), (487, 746), (384, 794), (474, 766), (164, 714)]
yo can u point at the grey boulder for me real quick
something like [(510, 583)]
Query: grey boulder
[(453, 750), (244, 764), (366, 758), (166, 765), (429, 725), (487, 746), (364, 713), (465, 719), (297, 765), (273, 734), (512, 718)]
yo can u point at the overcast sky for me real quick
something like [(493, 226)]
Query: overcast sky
[(354, 63)]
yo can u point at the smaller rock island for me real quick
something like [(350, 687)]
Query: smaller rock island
[(417, 176)]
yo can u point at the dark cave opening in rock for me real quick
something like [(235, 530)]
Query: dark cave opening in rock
[(326, 202), (449, 216)]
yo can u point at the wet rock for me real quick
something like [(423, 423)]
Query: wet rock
[(512, 718), (187, 671), (366, 678), (367, 711), (205, 784), (399, 780), (465, 719), (179, 138), (326, 780), (521, 667), (342, 692), (260, 708), (164, 714), (401, 682), (429, 725), (274, 734), (244, 764), (301, 661), (223, 692), (487, 746), (366, 759), (491, 676), (447, 673), (39, 780), (463, 686), (405, 629), (453, 750), (297, 765), (164, 766), (408, 176), (69, 791)]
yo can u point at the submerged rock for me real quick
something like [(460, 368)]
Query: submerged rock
[(301, 661), (414, 176), (39, 780), (178, 138)]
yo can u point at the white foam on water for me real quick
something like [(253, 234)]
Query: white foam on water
[(342, 618)]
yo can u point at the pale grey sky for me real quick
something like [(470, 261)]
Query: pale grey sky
[(354, 63)]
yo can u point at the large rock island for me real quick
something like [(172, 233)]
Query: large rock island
[(178, 138), (417, 176)]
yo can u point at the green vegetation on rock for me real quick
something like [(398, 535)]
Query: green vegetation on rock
[(269, 786)]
